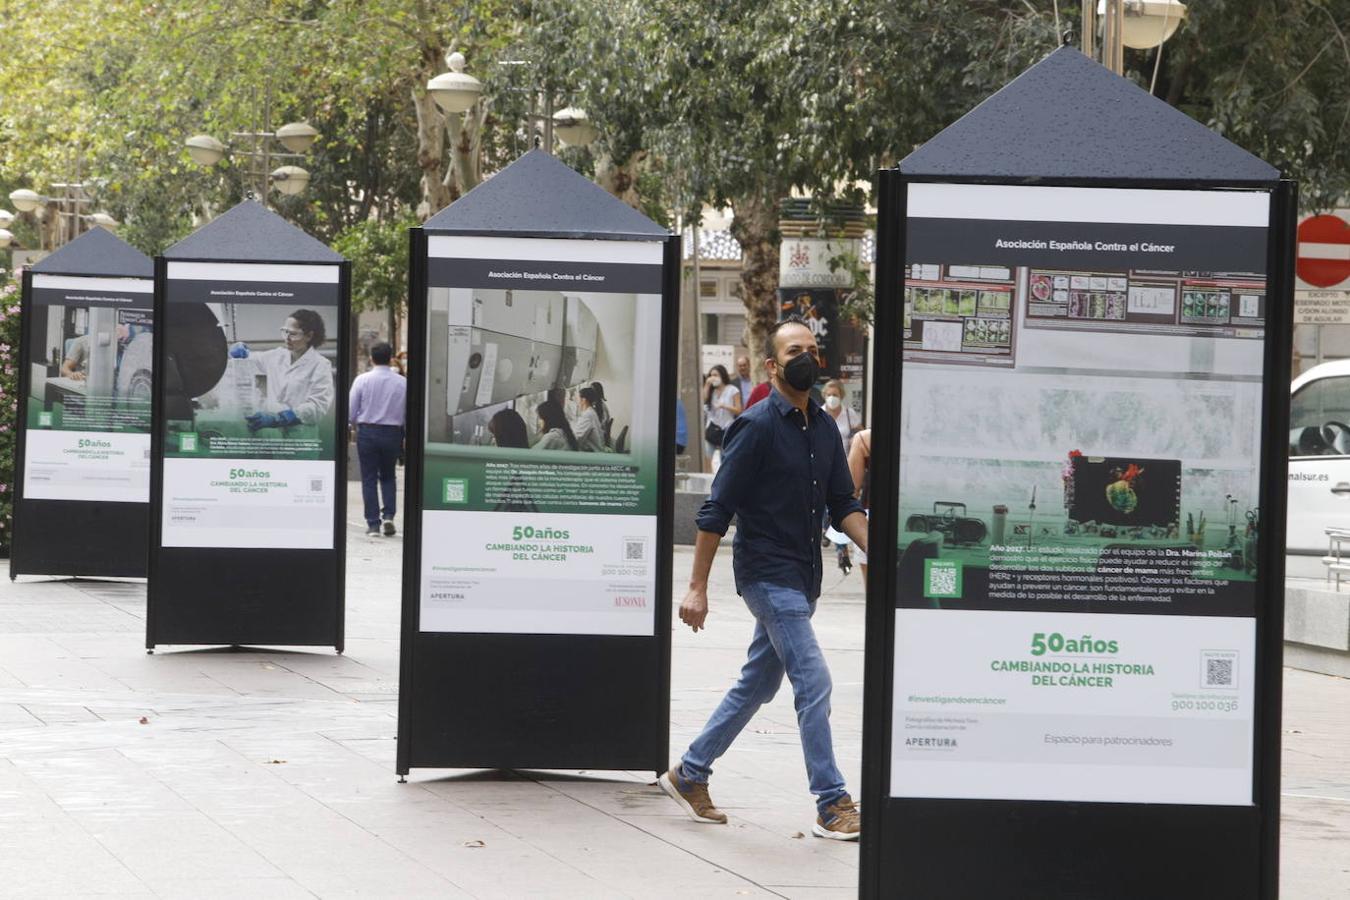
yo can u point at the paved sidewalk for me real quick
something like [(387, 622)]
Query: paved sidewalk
[(204, 773)]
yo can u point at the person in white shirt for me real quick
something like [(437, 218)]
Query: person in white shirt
[(554, 429), (721, 405), (299, 380), (845, 419), (589, 431)]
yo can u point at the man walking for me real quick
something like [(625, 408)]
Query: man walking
[(782, 464), (376, 408), (744, 383)]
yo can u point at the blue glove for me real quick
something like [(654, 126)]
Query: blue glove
[(239, 350), (284, 419)]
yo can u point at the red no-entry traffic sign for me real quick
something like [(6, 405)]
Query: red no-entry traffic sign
[(1324, 250)]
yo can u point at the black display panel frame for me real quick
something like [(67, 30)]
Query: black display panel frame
[(926, 848), (236, 596), (554, 701), (71, 538)]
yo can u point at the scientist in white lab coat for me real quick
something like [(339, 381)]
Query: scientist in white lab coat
[(299, 379)]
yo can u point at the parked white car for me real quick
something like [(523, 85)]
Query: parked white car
[(1319, 456)]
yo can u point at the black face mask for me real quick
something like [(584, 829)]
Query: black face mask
[(801, 371)]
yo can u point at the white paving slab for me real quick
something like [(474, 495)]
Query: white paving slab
[(268, 772)]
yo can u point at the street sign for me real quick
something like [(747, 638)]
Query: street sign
[(1324, 252)]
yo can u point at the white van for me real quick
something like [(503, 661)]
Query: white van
[(1319, 457)]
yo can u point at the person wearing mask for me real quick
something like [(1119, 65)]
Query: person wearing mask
[(299, 380), (744, 383), (376, 409), (844, 417), (554, 430), (589, 431), (508, 430), (782, 464), (721, 405)]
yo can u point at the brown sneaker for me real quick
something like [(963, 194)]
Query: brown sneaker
[(841, 821), (693, 797)]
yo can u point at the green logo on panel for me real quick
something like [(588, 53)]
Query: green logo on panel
[(187, 442), (454, 490), (44, 420), (941, 579)]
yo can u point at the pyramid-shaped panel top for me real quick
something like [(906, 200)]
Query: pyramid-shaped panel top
[(252, 233), (539, 195), (1068, 117), (98, 253)]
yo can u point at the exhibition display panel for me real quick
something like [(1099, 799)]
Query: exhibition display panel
[(540, 476), (249, 462), (82, 473), (1075, 604)]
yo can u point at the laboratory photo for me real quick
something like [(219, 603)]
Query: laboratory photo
[(254, 380), (538, 370), (90, 368)]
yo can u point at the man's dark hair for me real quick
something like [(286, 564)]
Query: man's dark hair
[(381, 353), (312, 322), (772, 336)]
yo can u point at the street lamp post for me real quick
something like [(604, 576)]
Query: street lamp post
[(256, 148), (68, 203), (1137, 24), (456, 92)]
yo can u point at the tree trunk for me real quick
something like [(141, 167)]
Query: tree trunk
[(755, 228), (466, 158), (430, 151), (621, 179)]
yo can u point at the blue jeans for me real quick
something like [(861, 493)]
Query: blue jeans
[(378, 448), (784, 641)]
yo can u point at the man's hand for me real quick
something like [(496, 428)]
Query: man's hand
[(694, 607)]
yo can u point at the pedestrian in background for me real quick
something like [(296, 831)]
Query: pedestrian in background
[(843, 415), (377, 408), (744, 383), (782, 464), (721, 405)]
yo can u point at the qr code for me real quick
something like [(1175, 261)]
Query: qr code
[(634, 550), (1218, 672), (942, 579), (316, 485)]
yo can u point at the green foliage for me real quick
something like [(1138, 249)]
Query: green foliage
[(9, 396), (859, 304), (378, 251)]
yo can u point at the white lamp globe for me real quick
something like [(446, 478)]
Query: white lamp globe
[(573, 127), (103, 220), (290, 180), (25, 200), (205, 150), (5, 218), (297, 137), (1148, 22), (455, 91), (5, 238)]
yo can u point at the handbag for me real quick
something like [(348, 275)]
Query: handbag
[(714, 434)]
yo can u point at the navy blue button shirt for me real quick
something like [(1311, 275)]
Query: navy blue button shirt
[(780, 469)]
